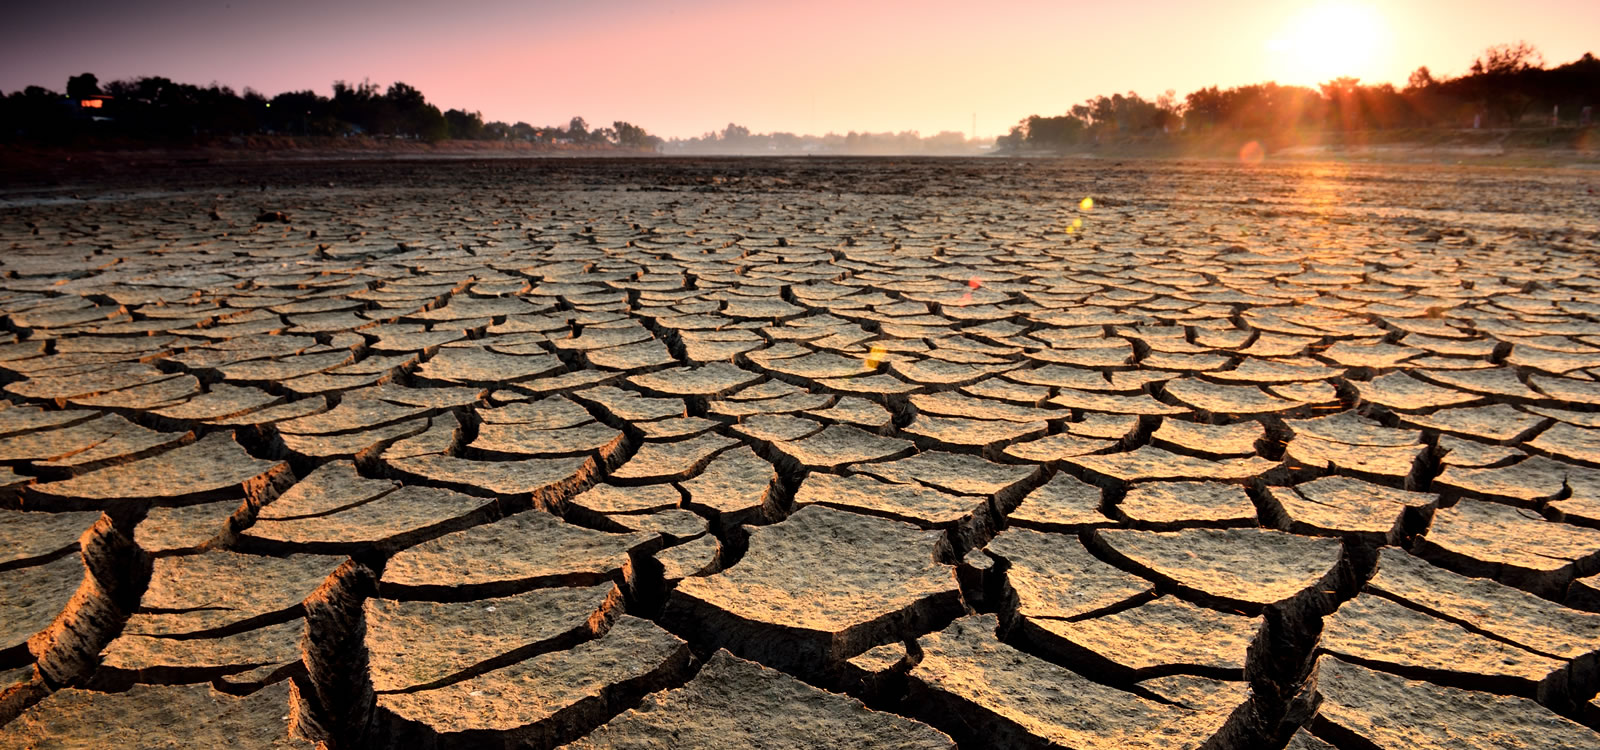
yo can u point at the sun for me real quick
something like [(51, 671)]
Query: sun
[(1329, 40)]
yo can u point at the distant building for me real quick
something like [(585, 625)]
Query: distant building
[(90, 107)]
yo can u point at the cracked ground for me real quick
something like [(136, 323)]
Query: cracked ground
[(801, 454)]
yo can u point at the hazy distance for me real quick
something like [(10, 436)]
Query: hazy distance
[(682, 69)]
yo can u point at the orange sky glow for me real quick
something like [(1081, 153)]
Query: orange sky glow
[(684, 68)]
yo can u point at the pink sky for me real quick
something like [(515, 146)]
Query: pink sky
[(683, 68)]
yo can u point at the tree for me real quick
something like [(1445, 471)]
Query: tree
[(1500, 76), (406, 112), (1012, 141), (429, 124), (578, 130), (404, 96), (464, 125), (1344, 102), (360, 106), (1205, 108), (1169, 109), (496, 131), (1420, 79), (83, 86), (1053, 132), (633, 136), (300, 112), (1508, 59)]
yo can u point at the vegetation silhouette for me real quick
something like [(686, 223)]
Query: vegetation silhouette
[(1507, 86), (154, 109)]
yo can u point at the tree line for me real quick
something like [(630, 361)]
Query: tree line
[(154, 108), (739, 140), (1507, 85)]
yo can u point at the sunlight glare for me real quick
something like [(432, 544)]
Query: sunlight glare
[(1329, 40)]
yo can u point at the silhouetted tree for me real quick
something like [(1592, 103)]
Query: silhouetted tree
[(464, 125), (1421, 78), (35, 111), (412, 115), (83, 86), (1507, 81), (1500, 76), (1572, 86), (302, 113), (360, 106), (1508, 59)]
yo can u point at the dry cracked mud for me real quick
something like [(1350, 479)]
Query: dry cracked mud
[(800, 453)]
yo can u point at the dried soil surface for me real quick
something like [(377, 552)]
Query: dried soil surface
[(800, 453)]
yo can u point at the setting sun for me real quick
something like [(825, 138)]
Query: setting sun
[(1329, 40)]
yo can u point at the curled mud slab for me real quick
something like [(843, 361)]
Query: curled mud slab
[(800, 453)]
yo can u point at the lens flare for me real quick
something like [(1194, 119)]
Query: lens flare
[(1087, 204), (1252, 153), (874, 357)]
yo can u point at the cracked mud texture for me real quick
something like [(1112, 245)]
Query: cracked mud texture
[(1389, 711), (733, 702), (416, 644), (821, 587), (800, 453), (1027, 701)]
